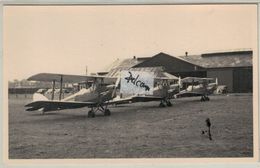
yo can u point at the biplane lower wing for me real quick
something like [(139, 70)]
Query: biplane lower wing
[(134, 99), (188, 94), (48, 105), (146, 98)]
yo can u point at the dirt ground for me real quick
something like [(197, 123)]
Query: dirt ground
[(141, 130)]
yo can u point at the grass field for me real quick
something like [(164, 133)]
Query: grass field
[(141, 130)]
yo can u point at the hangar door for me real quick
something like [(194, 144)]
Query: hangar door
[(224, 75), (242, 80)]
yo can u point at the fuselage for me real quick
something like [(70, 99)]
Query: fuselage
[(103, 93), (197, 90), (98, 93)]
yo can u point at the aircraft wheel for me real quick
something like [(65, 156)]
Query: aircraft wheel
[(207, 98), (107, 112), (161, 104), (202, 99), (91, 114), (169, 104)]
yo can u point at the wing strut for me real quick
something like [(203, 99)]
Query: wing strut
[(53, 89), (61, 80), (192, 84)]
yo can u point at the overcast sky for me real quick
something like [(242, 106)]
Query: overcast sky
[(66, 39)]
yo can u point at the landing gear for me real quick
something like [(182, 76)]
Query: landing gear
[(92, 112), (168, 103), (162, 104), (107, 112), (165, 103), (204, 98)]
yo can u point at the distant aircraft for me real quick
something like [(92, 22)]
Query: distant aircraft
[(98, 96), (197, 87)]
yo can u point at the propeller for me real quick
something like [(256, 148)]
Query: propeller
[(116, 85)]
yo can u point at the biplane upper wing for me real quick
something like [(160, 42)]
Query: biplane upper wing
[(195, 79), (49, 77), (50, 105)]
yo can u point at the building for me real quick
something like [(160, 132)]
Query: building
[(119, 65), (233, 69)]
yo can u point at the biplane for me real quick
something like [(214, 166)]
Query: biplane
[(97, 97), (197, 87)]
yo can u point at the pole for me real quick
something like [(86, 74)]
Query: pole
[(61, 80), (53, 89), (192, 84)]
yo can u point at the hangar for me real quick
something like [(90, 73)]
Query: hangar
[(233, 69)]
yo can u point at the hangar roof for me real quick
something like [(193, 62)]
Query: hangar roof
[(222, 59), (158, 72), (125, 63), (170, 63), (183, 63)]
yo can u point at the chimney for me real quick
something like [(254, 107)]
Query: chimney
[(186, 53)]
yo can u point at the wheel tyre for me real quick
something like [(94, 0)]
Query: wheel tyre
[(91, 114), (161, 105), (207, 99), (107, 112), (169, 104)]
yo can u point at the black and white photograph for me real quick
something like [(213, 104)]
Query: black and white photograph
[(131, 81)]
